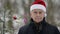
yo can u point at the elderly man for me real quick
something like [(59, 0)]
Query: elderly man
[(37, 24)]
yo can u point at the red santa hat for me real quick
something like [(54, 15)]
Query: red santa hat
[(38, 4)]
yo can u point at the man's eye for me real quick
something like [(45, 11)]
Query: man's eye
[(40, 12), (35, 12)]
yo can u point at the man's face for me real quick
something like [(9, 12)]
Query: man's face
[(37, 15)]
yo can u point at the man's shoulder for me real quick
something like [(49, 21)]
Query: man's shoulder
[(51, 27), (25, 27)]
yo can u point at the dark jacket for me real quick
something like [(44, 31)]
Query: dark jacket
[(42, 28)]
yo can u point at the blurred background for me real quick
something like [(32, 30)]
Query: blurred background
[(15, 14)]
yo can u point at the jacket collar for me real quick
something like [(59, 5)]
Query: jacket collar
[(39, 26)]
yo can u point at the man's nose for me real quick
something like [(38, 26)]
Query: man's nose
[(38, 14)]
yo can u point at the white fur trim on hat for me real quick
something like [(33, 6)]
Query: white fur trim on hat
[(38, 6)]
